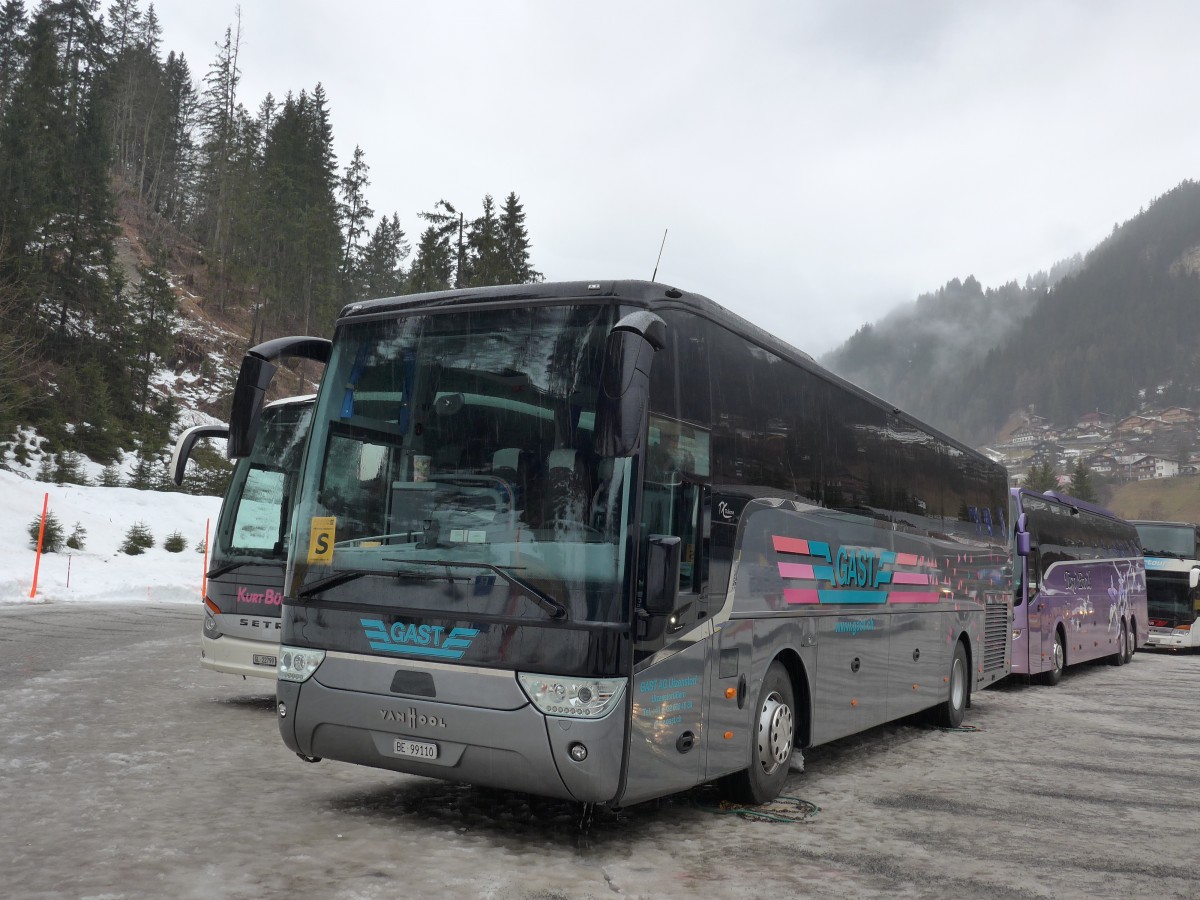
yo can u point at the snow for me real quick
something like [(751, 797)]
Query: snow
[(100, 571)]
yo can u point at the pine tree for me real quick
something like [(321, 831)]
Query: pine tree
[(516, 242), (353, 213), (433, 267), (12, 47), (1081, 486), (488, 261), (380, 271), (154, 306), (1041, 478), (443, 243)]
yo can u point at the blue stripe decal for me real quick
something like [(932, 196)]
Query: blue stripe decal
[(850, 597)]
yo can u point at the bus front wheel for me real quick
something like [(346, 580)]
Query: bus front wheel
[(771, 741), (949, 713), (1058, 660)]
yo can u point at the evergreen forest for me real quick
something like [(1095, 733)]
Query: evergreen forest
[(1104, 332), (103, 129)]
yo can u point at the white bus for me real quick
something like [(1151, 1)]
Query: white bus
[(243, 596), (1172, 551), (606, 541)]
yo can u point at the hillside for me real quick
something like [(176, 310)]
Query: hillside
[(1093, 334), (1169, 499)]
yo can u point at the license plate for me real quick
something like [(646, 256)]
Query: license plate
[(418, 749), (262, 660)]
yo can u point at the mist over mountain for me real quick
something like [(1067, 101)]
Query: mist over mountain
[(1101, 332)]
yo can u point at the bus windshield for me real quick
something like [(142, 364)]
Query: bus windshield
[(1161, 539), (1169, 597), (255, 514), (452, 466)]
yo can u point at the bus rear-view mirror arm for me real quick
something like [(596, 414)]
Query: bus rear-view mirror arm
[(254, 377), (187, 440), (625, 382)]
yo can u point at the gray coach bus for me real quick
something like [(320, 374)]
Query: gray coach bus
[(606, 541)]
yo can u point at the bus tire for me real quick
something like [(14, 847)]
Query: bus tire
[(1122, 655), (1058, 660), (772, 739), (1132, 648), (949, 713)]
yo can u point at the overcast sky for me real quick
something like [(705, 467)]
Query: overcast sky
[(815, 163)]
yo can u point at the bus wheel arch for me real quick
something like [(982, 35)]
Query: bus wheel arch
[(771, 738)]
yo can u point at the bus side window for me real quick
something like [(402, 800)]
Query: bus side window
[(672, 502)]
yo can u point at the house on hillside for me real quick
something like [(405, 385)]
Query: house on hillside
[(1179, 415), (1136, 424), (1143, 467), (1094, 421)]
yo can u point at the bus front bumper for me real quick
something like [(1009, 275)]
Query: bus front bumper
[(238, 656), (1170, 639), (513, 749)]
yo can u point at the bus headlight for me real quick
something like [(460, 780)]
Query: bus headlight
[(298, 663), (212, 630), (572, 698)]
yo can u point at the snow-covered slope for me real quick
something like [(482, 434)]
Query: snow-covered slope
[(100, 571)]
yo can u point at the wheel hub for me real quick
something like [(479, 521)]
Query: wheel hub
[(775, 729)]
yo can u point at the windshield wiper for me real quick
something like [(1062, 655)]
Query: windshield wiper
[(555, 609), (226, 568), (338, 578)]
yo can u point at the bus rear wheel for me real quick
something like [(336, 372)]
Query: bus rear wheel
[(1058, 659), (1132, 638), (949, 713), (1122, 655), (771, 743)]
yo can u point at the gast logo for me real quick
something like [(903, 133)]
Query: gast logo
[(418, 640)]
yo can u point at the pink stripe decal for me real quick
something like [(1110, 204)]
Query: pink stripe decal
[(795, 570), (790, 545), (906, 559), (911, 578), (913, 597), (792, 596)]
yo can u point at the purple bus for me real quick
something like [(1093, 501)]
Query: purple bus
[(1079, 585)]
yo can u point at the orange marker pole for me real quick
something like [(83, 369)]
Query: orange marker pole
[(37, 563), (204, 575)]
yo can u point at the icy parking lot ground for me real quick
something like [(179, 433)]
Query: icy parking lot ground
[(127, 772)]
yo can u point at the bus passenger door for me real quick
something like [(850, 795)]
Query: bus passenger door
[(1035, 612), (666, 748)]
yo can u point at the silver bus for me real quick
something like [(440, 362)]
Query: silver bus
[(243, 587), (607, 541)]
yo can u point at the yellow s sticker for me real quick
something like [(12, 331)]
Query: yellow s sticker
[(320, 539)]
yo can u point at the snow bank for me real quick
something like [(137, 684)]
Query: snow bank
[(101, 572)]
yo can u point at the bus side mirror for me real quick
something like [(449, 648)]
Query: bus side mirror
[(625, 382), (253, 378), (1022, 543), (1194, 577), (187, 440), (662, 574)]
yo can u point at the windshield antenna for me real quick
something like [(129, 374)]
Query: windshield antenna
[(660, 250)]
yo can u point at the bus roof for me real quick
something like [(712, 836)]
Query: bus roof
[(647, 294)]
